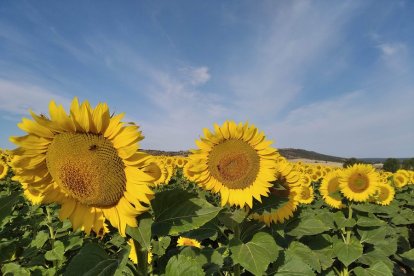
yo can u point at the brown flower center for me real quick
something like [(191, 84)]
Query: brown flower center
[(88, 168)]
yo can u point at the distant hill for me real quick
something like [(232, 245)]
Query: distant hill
[(288, 153)]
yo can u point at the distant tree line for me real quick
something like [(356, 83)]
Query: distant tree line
[(390, 164)]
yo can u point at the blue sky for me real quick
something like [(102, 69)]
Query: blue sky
[(334, 77)]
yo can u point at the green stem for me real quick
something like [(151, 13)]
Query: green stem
[(51, 232), (50, 226), (349, 230), (345, 271), (142, 257), (236, 267)]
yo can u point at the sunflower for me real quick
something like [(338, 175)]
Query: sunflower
[(385, 194), (86, 161), (180, 161), (4, 169), (284, 195), (235, 161), (329, 190), (401, 178), (157, 170), (133, 253), (359, 182), (182, 241), (305, 194)]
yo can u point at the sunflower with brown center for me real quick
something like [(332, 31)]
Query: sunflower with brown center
[(236, 161), (88, 162), (385, 194), (359, 182), (284, 195), (329, 190)]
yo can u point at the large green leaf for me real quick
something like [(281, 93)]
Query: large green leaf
[(6, 205), (370, 221), (183, 265), (348, 253), (255, 255), (293, 266), (178, 211), (408, 257), (373, 235), (14, 269), (57, 252), (307, 226), (377, 269), (375, 256), (142, 233), (40, 239), (308, 256), (89, 257)]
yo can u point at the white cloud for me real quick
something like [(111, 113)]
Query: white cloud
[(284, 52), (196, 75), (389, 49), (17, 98), (355, 124)]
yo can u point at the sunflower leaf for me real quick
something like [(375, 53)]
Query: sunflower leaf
[(377, 269), (6, 205), (183, 265), (348, 253), (89, 257), (177, 211), (142, 233), (255, 255)]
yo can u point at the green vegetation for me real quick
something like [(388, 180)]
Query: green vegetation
[(361, 239)]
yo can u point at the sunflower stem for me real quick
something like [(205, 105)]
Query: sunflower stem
[(236, 268), (51, 231), (142, 257), (349, 230)]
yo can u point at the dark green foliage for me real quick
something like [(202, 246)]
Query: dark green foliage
[(391, 165)]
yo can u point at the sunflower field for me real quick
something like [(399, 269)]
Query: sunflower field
[(79, 197)]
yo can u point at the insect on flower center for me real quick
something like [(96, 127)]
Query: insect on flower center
[(234, 163), (88, 168)]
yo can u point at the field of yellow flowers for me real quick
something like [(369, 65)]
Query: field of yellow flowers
[(79, 197)]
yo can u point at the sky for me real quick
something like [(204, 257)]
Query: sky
[(335, 77)]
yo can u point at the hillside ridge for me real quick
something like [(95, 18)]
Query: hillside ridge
[(289, 153)]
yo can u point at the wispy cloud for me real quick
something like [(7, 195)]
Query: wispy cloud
[(17, 98)]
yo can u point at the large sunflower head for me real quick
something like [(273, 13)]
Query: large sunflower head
[(236, 161), (359, 182), (87, 161), (284, 195), (329, 190)]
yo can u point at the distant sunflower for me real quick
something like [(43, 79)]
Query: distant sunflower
[(305, 194), (235, 161), (329, 190), (4, 168), (182, 241), (87, 161), (401, 178), (385, 194), (359, 182)]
